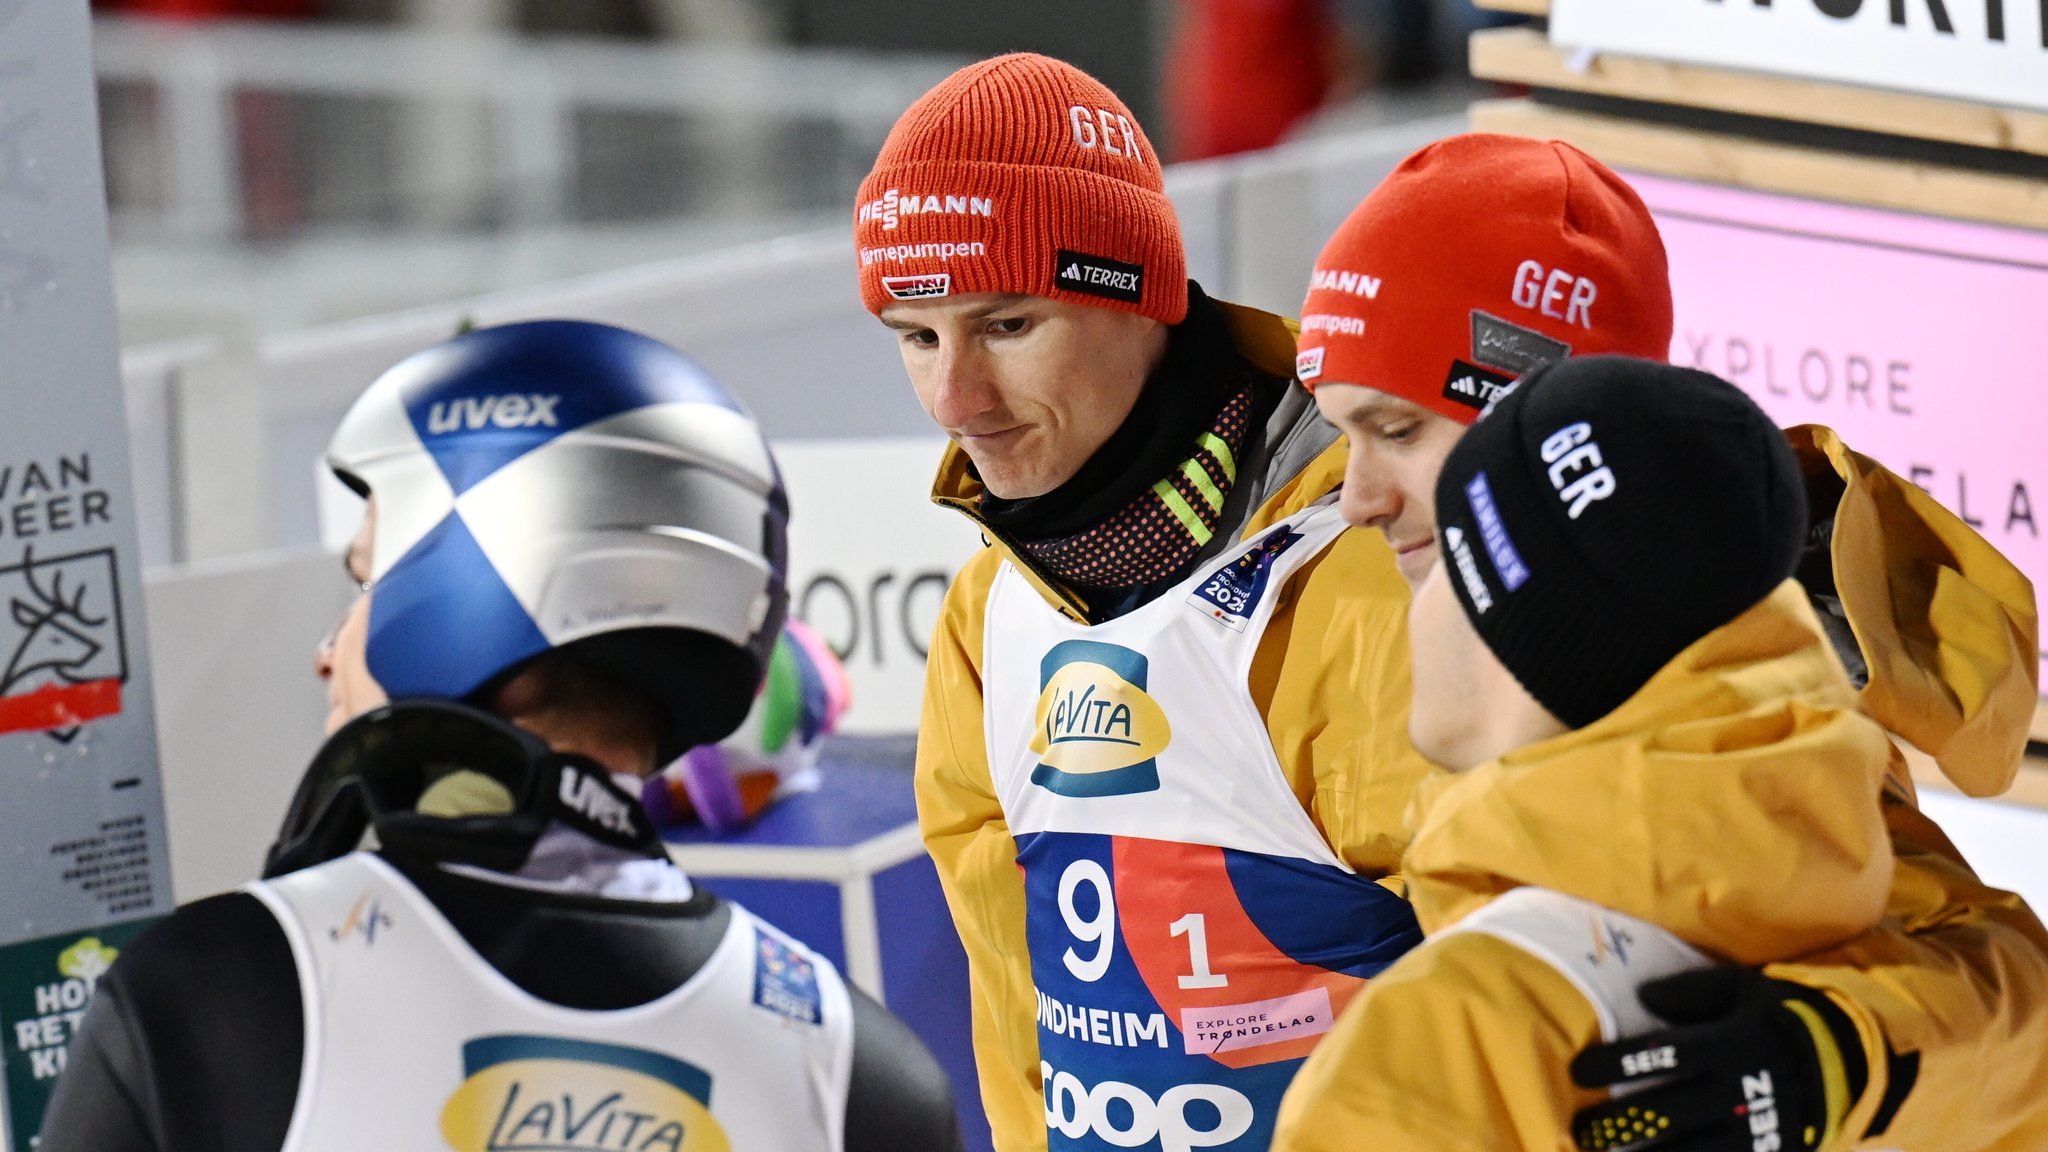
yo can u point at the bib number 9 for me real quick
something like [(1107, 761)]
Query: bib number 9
[(1075, 1110), (1099, 929)]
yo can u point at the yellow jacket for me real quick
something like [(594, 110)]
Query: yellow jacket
[(1331, 679), (1958, 974), (1728, 801)]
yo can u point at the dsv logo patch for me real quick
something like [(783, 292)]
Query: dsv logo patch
[(1098, 732), (550, 1094)]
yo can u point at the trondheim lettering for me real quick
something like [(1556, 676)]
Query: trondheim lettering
[(1103, 1026)]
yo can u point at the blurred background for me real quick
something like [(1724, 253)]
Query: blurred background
[(303, 192), (275, 164)]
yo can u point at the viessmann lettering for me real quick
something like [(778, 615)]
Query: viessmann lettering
[(904, 253), (893, 206)]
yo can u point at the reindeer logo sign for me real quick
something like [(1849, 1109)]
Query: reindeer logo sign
[(63, 656)]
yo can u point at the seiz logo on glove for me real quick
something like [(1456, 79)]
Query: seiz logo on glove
[(1750, 1064)]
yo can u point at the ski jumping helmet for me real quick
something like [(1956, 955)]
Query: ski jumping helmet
[(564, 484)]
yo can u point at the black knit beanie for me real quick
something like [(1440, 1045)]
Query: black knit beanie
[(1607, 513)]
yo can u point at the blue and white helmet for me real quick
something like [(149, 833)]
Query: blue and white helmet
[(556, 483)]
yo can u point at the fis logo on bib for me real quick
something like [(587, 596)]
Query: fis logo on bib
[(1098, 732), (535, 1093), (1232, 593)]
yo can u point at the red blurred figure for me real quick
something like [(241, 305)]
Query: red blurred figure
[(213, 9), (1244, 71)]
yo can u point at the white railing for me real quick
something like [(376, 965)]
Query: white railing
[(520, 153), (231, 431)]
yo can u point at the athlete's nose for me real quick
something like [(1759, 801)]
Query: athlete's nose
[(1370, 498), (965, 395)]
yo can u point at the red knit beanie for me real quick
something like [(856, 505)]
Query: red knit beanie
[(1477, 259), (1020, 174)]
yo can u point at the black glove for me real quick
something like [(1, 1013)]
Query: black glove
[(1750, 1064)]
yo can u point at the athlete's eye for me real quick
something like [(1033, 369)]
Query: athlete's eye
[(1401, 433), (1009, 325), (922, 337)]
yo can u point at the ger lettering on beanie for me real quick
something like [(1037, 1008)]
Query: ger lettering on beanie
[(1020, 174), (1477, 259), (1606, 514)]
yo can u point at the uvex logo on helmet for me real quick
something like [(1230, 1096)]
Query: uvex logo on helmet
[(472, 413)]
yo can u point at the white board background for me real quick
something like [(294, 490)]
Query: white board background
[(1795, 38)]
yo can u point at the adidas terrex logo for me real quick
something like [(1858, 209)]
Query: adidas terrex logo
[(524, 410), (1762, 1105), (1099, 276), (1468, 571), (1356, 283), (1475, 387), (585, 794)]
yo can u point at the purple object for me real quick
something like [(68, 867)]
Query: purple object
[(712, 789)]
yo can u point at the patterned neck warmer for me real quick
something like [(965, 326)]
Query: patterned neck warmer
[(1158, 532)]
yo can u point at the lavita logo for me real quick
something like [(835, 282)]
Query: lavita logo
[(554, 1094), (472, 413), (581, 792), (1098, 730)]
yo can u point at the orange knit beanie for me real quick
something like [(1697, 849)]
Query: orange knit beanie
[(1477, 259), (1020, 174)]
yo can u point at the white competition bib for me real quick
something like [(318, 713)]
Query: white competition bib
[(1192, 935), (414, 1043)]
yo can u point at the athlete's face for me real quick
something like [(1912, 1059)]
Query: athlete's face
[(1029, 387), (1397, 449), (1467, 708), (342, 659)]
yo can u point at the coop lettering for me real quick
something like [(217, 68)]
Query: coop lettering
[(50, 497)]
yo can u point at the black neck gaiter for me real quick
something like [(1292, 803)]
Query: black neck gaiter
[(1147, 501)]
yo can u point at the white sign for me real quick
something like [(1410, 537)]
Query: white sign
[(1912, 336), (870, 559), (1989, 51)]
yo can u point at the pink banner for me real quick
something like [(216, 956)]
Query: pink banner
[(1227, 1027), (1909, 335)]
